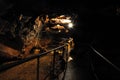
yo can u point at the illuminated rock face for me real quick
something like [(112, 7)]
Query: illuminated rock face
[(8, 52), (35, 34), (45, 32)]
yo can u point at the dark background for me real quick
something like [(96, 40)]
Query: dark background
[(97, 21)]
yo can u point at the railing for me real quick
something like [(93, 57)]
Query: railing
[(40, 61), (95, 62)]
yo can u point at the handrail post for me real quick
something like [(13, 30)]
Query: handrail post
[(66, 51), (37, 75), (63, 53), (66, 58), (53, 65)]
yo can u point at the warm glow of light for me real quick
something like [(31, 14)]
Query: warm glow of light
[(70, 59), (58, 25), (70, 25), (61, 20), (65, 21)]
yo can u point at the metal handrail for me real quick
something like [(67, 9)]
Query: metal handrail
[(10, 65), (105, 59)]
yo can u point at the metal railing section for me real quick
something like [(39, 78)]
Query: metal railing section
[(51, 73)]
